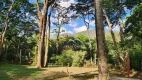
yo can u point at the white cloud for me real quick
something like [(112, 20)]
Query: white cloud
[(91, 23), (62, 30), (79, 29), (73, 24), (87, 20), (53, 19), (115, 28), (70, 32), (106, 27), (66, 3), (71, 13)]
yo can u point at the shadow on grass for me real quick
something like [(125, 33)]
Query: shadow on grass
[(94, 74), (115, 73), (85, 76), (10, 71), (56, 75)]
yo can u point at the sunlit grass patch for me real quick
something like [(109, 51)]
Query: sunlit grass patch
[(11, 71)]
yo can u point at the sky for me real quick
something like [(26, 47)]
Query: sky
[(77, 25)]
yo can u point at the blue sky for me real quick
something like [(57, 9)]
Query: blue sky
[(78, 25)]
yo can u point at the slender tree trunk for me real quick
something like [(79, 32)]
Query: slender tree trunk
[(43, 20), (100, 38), (122, 68), (110, 28), (20, 56), (2, 37), (121, 28), (48, 36), (121, 23), (96, 55), (47, 42), (58, 36), (57, 42), (114, 39), (39, 48), (90, 47), (6, 49), (95, 59)]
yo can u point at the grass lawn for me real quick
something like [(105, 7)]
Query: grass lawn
[(10, 72), (26, 72)]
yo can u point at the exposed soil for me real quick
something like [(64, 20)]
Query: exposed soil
[(78, 73)]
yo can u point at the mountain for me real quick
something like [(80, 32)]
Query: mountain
[(92, 34)]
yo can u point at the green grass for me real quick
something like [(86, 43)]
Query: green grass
[(11, 71)]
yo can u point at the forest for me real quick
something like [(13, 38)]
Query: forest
[(71, 40)]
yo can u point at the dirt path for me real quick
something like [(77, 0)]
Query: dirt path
[(73, 70)]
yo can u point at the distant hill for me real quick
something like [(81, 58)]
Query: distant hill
[(92, 34)]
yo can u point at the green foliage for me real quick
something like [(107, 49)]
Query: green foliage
[(136, 56), (69, 58), (20, 32), (65, 59), (20, 43), (78, 58), (82, 37), (133, 35), (134, 23)]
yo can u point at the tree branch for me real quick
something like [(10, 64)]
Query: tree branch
[(37, 4)]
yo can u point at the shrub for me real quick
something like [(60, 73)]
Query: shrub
[(69, 58), (65, 59), (78, 58)]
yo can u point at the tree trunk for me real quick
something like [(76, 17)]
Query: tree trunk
[(100, 38), (95, 59), (20, 56), (114, 39), (110, 28), (4, 28), (57, 44), (47, 42), (121, 38), (43, 20), (58, 36), (6, 49), (121, 23), (39, 47), (48, 36), (121, 28), (90, 47)]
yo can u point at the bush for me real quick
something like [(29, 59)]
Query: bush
[(78, 58), (69, 58), (65, 59), (136, 60)]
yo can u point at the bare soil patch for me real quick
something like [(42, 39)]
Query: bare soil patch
[(78, 73)]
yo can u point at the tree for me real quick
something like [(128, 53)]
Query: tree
[(52, 3), (84, 9), (5, 25), (62, 18), (133, 23), (102, 53), (132, 37), (110, 25), (42, 20), (14, 25), (113, 14)]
